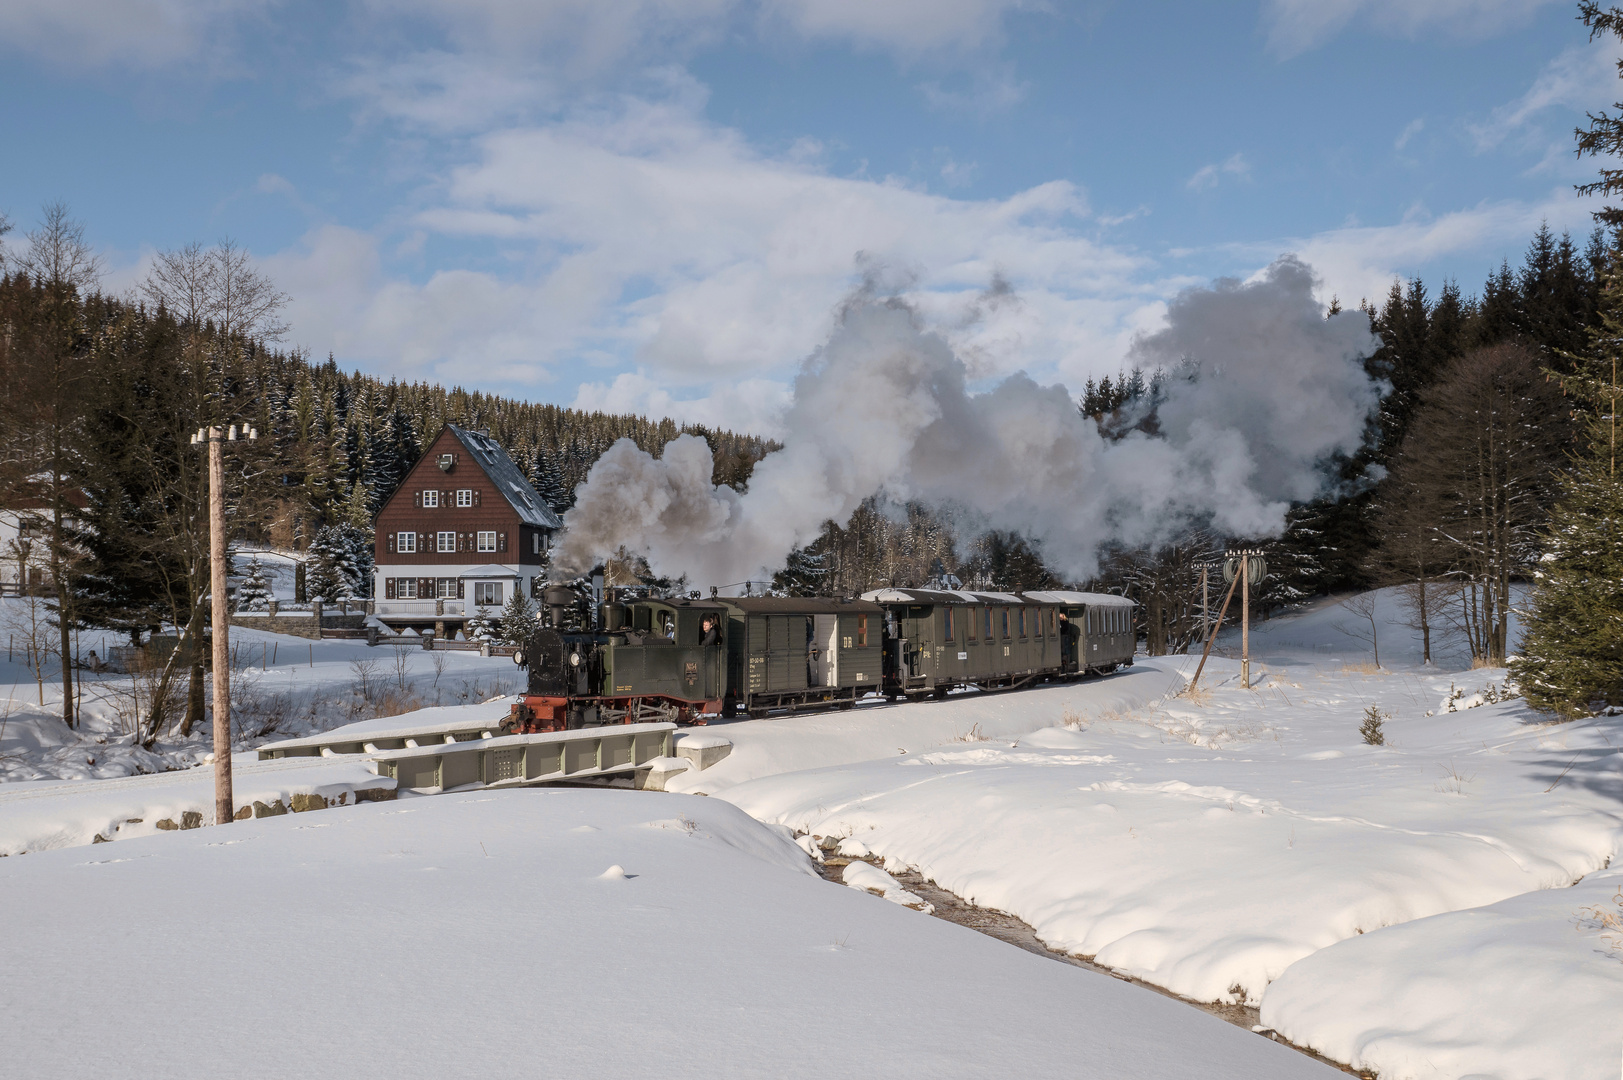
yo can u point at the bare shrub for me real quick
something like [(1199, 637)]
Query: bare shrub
[(393, 701), (437, 658), (365, 671), (972, 735), (1453, 782), (1196, 694), (1606, 918), (133, 699), (402, 663)]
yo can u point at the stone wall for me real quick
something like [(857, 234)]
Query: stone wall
[(307, 624)]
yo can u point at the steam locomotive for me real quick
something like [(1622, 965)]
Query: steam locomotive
[(644, 660)]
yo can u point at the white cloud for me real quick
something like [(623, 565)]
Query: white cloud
[(1209, 176), (752, 405), (1410, 130), (140, 33), (987, 92), (1583, 77), (1295, 26), (1361, 262), (649, 240), (909, 27)]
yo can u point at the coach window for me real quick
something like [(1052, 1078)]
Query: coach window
[(987, 611), (1005, 612), (862, 631), (949, 624), (971, 617)]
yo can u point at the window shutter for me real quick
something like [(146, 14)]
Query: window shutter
[(388, 588), (501, 541), (417, 498), (391, 543), (459, 590), (476, 496)]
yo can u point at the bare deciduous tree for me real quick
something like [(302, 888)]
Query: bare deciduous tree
[(1475, 478), (1364, 627), (217, 284), (57, 253)]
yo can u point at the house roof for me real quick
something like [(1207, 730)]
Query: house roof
[(508, 478)]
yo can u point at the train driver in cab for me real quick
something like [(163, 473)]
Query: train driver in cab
[(712, 632)]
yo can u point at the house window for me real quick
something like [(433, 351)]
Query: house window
[(406, 542), (431, 498), (464, 497), (487, 541), (445, 588), (535, 543), (862, 631), (406, 588), (447, 541), (487, 593)]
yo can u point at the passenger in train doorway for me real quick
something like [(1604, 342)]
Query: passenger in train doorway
[(1068, 635), (712, 632)]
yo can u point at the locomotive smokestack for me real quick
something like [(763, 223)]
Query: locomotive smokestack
[(558, 600)]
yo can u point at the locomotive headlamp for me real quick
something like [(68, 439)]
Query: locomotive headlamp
[(574, 659), (518, 658)]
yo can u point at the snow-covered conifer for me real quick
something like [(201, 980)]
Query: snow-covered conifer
[(519, 620), (254, 593)]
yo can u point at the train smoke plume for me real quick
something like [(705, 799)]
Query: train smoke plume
[(1265, 390)]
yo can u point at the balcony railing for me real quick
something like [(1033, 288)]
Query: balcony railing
[(423, 609)]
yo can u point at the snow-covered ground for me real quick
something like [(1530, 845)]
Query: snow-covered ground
[(284, 687), (541, 933), (1211, 845), (1436, 906)]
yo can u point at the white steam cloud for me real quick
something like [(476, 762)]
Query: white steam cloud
[(1269, 389)]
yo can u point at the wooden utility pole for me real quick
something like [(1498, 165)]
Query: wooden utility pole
[(1245, 621), (1207, 652), (220, 615), (1205, 604)]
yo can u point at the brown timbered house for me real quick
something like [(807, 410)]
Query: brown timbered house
[(463, 531)]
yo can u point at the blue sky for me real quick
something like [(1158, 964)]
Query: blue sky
[(657, 205)]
